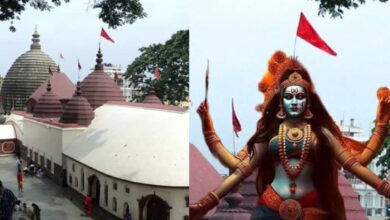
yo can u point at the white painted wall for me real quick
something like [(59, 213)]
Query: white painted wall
[(175, 197), (48, 140)]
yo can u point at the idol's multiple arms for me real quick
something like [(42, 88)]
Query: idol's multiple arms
[(214, 142), (350, 163), (243, 170), (380, 131)]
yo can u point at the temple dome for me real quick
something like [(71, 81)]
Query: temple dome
[(26, 74), (152, 98), (77, 110), (98, 87), (61, 86), (49, 105)]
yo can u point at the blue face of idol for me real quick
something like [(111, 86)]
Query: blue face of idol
[(294, 100)]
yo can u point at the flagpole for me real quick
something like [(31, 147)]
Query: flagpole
[(295, 44), (234, 142)]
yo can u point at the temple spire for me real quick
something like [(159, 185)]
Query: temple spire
[(35, 40), (78, 90), (99, 60), (48, 88)]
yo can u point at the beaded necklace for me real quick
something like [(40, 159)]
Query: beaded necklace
[(295, 136)]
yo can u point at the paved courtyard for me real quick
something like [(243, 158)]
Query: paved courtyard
[(46, 194)]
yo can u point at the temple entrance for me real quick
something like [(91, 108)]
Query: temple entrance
[(154, 208), (94, 188)]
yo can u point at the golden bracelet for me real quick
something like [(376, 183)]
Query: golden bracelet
[(349, 163), (244, 168)]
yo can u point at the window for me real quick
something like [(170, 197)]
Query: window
[(187, 201), (114, 204), (76, 182), (115, 186), (82, 179), (106, 195), (127, 190), (48, 164), (70, 179), (73, 167)]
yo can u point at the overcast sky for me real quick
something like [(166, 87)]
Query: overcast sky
[(238, 37), (74, 29)]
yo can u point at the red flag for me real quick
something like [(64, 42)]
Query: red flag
[(307, 33), (236, 122), (78, 64), (104, 34), (156, 73), (50, 72)]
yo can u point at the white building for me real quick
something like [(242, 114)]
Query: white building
[(128, 156), (137, 161), (374, 204)]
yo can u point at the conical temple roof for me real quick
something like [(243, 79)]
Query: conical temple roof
[(61, 86), (152, 98), (77, 110), (48, 106), (26, 74), (98, 87)]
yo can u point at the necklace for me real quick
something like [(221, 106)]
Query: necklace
[(294, 136)]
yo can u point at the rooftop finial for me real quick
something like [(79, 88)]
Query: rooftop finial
[(99, 60), (78, 91), (35, 40), (48, 86)]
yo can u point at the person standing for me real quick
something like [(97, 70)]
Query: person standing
[(19, 164), (36, 212), (7, 203), (88, 204), (19, 177)]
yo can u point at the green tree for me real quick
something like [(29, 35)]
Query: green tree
[(384, 159), (335, 8), (172, 59), (113, 12)]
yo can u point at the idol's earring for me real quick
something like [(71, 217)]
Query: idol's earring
[(308, 114), (281, 114)]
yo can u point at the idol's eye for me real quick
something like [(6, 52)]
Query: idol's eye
[(288, 96), (301, 96)]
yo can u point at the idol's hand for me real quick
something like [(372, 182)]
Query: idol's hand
[(200, 208), (383, 111), (203, 111)]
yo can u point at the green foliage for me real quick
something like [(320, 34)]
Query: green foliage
[(113, 12), (335, 8), (384, 159), (172, 59)]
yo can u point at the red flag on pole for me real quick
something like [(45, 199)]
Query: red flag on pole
[(307, 33), (104, 34), (156, 73), (236, 122), (78, 64)]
